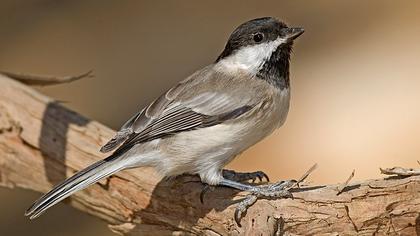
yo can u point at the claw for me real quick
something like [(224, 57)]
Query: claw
[(238, 216), (260, 175), (265, 176), (242, 177), (243, 207), (203, 192)]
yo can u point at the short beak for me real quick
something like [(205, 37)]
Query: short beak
[(292, 33)]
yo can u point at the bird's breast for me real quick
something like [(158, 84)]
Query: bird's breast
[(270, 115)]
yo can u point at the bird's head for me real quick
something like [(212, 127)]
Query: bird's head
[(258, 41)]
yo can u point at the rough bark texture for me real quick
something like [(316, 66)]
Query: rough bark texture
[(41, 143)]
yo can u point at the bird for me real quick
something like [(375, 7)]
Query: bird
[(203, 122)]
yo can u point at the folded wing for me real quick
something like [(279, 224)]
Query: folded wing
[(202, 100)]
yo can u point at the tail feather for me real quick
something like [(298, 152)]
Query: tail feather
[(79, 181)]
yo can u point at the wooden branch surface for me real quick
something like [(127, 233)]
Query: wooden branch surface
[(42, 143)]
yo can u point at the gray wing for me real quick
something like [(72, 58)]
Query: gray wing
[(202, 100)]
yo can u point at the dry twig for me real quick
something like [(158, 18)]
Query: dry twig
[(30, 79), (341, 188), (304, 176)]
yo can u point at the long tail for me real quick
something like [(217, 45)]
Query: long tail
[(79, 181)]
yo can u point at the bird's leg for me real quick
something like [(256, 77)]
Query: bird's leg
[(237, 177), (245, 176), (275, 190), (279, 189)]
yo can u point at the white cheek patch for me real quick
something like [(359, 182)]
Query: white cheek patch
[(250, 58)]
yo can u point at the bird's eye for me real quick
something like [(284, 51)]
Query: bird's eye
[(258, 37)]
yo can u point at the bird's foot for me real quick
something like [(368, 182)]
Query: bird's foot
[(270, 191), (237, 177), (245, 176)]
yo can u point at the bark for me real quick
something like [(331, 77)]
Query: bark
[(42, 143)]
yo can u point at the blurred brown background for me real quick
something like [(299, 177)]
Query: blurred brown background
[(355, 77)]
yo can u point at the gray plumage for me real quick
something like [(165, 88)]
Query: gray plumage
[(203, 122)]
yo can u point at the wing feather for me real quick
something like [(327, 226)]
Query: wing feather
[(201, 100)]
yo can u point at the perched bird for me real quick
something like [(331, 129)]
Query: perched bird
[(202, 123)]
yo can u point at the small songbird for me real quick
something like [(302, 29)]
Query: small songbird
[(203, 122)]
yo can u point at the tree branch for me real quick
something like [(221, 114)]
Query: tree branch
[(41, 143)]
